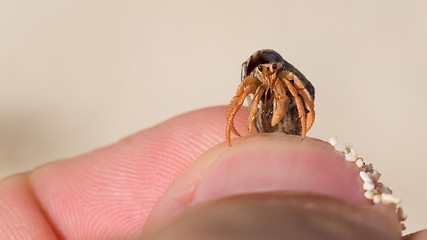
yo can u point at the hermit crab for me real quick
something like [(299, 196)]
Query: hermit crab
[(280, 97)]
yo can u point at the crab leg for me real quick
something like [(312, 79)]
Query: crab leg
[(254, 108), (281, 102), (233, 112), (308, 99), (240, 90), (300, 106), (231, 106), (230, 125), (251, 85)]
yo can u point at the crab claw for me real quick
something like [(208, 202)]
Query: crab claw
[(281, 103)]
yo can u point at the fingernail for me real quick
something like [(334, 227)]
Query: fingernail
[(281, 164), (262, 163), (278, 215)]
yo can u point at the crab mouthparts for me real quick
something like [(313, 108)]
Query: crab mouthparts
[(269, 81)]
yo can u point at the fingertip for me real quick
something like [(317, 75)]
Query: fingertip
[(266, 163)]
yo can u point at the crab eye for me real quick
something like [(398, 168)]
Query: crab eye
[(260, 68), (274, 66)]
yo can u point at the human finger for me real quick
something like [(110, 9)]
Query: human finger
[(108, 193), (270, 163), (421, 235)]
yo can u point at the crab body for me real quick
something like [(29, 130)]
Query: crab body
[(280, 97)]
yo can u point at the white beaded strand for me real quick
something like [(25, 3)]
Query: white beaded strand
[(374, 189)]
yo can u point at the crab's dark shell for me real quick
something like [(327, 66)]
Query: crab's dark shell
[(290, 123)]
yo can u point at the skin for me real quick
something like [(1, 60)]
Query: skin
[(110, 192)]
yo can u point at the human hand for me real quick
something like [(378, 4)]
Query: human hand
[(109, 193)]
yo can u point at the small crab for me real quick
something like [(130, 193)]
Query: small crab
[(274, 86)]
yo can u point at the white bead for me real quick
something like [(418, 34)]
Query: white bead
[(365, 177), (388, 198), (333, 141), (359, 163), (368, 186), (350, 157), (376, 199), (369, 195)]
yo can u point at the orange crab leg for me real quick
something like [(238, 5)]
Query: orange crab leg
[(231, 106), (233, 112), (240, 90), (281, 102), (251, 85), (300, 107), (254, 108), (308, 99)]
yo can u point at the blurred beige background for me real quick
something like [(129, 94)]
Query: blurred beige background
[(77, 75)]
